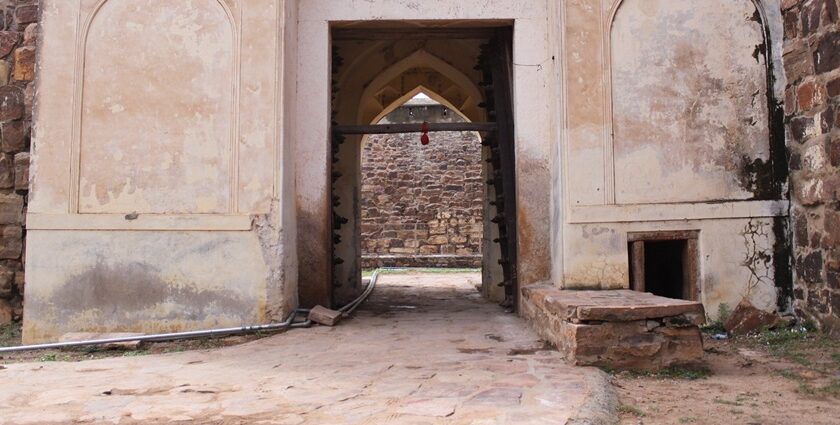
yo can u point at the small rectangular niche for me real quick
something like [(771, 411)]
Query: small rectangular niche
[(665, 263)]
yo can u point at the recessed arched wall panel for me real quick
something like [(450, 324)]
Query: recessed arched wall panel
[(158, 114), (689, 100)]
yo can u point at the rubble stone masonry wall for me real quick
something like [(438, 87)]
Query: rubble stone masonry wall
[(422, 205), (18, 40), (812, 105)]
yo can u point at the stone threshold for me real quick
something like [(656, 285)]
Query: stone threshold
[(620, 329)]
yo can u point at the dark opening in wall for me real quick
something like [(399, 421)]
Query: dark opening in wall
[(664, 263)]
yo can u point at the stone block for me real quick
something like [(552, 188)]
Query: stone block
[(827, 53), (816, 14), (14, 136), (11, 103), (24, 68), (809, 96), (617, 329), (22, 171), (834, 152), (746, 318), (7, 282), (31, 34), (803, 128), (324, 316), (20, 282), (809, 267), (11, 208), (11, 243), (798, 64), (8, 41), (7, 172), (811, 191), (25, 15), (6, 312)]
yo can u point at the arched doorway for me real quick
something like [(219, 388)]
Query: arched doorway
[(465, 71)]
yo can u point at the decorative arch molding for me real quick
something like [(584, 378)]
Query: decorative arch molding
[(609, 133), (421, 59), (232, 15), (405, 98)]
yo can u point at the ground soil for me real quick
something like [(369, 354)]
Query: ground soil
[(424, 349), (784, 377), (788, 376)]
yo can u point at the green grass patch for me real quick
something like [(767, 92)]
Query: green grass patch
[(631, 410), (682, 373), (10, 335), (716, 326)]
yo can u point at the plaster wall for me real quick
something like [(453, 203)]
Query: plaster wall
[(157, 191), (189, 202), (667, 127)]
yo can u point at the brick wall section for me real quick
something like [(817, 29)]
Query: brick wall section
[(17, 72), (422, 205), (812, 105)]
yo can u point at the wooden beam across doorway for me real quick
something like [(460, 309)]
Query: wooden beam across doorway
[(413, 128), (366, 34)]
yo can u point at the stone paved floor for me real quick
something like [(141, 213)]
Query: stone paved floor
[(426, 349)]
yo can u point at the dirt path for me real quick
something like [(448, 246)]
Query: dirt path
[(425, 349), (777, 378)]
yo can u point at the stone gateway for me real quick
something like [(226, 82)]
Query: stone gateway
[(211, 163)]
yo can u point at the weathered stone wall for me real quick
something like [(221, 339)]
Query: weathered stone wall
[(812, 65), (422, 205), (17, 71)]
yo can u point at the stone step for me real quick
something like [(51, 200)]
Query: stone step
[(619, 329)]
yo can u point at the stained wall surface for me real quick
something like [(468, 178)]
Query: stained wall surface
[(158, 204), (669, 116), (685, 114)]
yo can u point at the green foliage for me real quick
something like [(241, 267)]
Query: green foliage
[(674, 372), (716, 326), (10, 335), (49, 357), (631, 410)]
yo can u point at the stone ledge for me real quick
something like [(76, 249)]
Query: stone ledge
[(611, 306), (616, 328)]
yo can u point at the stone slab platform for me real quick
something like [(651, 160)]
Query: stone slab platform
[(616, 328)]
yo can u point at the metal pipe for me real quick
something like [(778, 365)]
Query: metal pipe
[(289, 323), (349, 308)]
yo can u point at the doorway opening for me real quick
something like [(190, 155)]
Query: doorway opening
[(398, 202), (422, 205), (664, 263)]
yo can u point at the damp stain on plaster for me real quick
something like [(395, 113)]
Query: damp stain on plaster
[(115, 293)]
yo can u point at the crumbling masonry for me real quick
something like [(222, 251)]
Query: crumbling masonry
[(17, 72), (812, 107)]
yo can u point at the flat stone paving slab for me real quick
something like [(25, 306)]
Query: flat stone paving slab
[(611, 305), (426, 349)]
